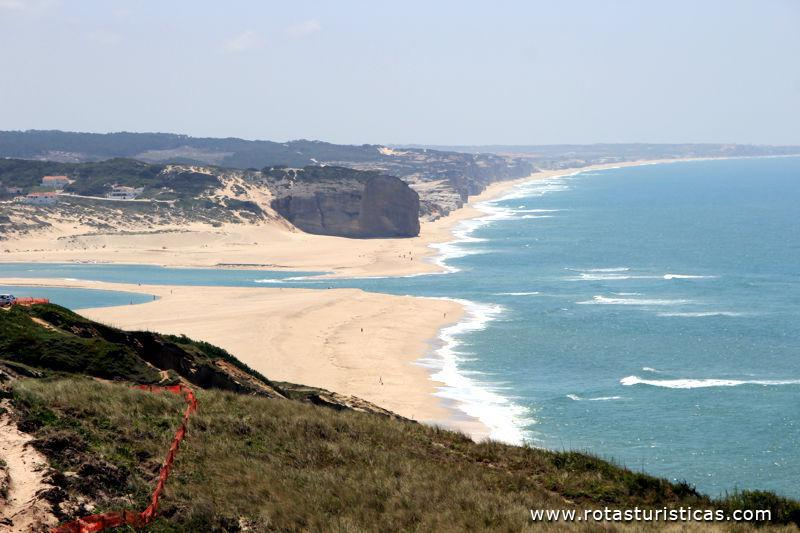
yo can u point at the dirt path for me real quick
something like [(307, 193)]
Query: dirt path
[(22, 509)]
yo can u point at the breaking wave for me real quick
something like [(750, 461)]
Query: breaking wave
[(603, 300), (699, 314), (686, 276), (702, 383), (531, 293), (577, 398), (504, 418)]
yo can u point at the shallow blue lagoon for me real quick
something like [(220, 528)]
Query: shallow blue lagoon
[(646, 314), (77, 298), (227, 277)]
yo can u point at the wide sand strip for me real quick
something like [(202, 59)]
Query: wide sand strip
[(344, 340), (269, 245)]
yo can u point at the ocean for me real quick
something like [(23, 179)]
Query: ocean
[(649, 315)]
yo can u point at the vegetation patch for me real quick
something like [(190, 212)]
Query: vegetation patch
[(266, 464), (264, 456)]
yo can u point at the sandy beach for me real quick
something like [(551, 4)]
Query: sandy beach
[(270, 245), (345, 340)]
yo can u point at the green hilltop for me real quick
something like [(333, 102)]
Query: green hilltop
[(267, 456)]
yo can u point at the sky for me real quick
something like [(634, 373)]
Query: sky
[(428, 72)]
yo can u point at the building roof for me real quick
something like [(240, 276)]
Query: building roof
[(55, 178)]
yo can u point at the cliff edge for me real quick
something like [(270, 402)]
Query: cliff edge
[(344, 202)]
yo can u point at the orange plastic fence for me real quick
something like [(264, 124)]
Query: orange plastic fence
[(103, 521), (31, 301)]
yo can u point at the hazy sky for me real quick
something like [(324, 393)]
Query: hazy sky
[(435, 72)]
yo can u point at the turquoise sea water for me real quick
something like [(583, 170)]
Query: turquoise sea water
[(77, 298), (647, 314)]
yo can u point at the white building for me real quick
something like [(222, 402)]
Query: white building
[(40, 198), (55, 182), (119, 192)]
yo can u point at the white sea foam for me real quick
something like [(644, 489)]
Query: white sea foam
[(537, 188), (463, 235), (604, 398), (650, 369), (609, 276), (700, 314), (609, 269), (293, 279), (686, 276), (493, 212), (701, 383), (603, 300), (502, 416), (577, 398), (606, 274), (450, 250), (531, 293), (623, 273)]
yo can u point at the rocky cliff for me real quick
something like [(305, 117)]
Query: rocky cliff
[(344, 202)]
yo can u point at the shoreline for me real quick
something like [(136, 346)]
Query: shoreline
[(501, 417), (305, 336), (479, 414), (265, 246)]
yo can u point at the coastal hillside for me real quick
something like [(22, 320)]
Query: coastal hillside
[(123, 195), (558, 156), (128, 195), (447, 177), (339, 201), (265, 456)]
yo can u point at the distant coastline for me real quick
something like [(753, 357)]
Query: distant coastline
[(405, 326), (271, 245)]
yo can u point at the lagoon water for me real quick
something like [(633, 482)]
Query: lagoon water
[(648, 314), (77, 298)]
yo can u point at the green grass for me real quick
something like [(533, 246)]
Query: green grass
[(105, 441), (24, 341), (278, 464), (290, 466), (48, 339)]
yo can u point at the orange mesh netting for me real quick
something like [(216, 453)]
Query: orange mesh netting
[(31, 301), (100, 522)]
